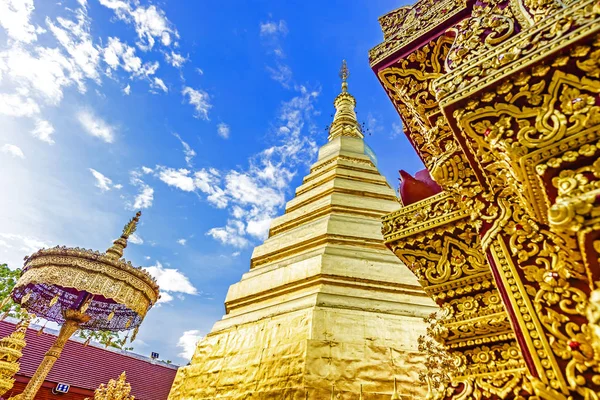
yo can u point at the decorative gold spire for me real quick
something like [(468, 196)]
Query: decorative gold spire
[(115, 390), (116, 250), (345, 122), (10, 352), (333, 392), (361, 396), (344, 74)]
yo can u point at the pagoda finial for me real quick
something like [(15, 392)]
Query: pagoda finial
[(116, 250), (344, 74), (344, 121)]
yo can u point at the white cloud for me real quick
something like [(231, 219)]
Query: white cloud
[(373, 124), (12, 150), (42, 73), (259, 227), (396, 129), (159, 84), (270, 28), (175, 59), (136, 239), (127, 90), (147, 170), (182, 241), (235, 254), (117, 54), (14, 18), (43, 130), (145, 195), (75, 38), (199, 99), (16, 105), (282, 74), (171, 280), (102, 182), (179, 178), (223, 130), (199, 71), (27, 244), (232, 234), (255, 195), (144, 198), (273, 33), (95, 126), (150, 22), (187, 342), (164, 298), (187, 151)]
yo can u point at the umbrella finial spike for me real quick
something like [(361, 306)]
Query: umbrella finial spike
[(116, 250)]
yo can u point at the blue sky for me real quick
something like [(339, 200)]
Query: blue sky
[(204, 115)]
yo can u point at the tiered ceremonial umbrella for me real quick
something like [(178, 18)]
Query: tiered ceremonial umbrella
[(83, 289)]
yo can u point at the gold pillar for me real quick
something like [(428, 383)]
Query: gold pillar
[(73, 320)]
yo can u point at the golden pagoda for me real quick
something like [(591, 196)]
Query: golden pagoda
[(325, 304)]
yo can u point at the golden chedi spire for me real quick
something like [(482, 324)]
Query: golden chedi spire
[(344, 121), (10, 352), (116, 250), (323, 279)]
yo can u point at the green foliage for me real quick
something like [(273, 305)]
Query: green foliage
[(8, 280), (107, 338)]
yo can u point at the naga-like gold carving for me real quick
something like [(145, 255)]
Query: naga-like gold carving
[(503, 106)]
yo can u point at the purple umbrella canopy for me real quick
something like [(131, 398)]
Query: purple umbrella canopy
[(110, 290)]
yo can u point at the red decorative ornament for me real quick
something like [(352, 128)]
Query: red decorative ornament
[(574, 345)]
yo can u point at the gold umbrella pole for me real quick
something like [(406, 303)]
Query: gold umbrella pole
[(73, 319)]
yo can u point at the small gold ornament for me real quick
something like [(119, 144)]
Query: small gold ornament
[(54, 300), (85, 306), (135, 332), (26, 298), (111, 316)]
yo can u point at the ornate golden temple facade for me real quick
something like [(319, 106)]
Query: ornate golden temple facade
[(325, 307), (500, 98)]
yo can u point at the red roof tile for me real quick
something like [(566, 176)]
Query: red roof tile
[(89, 366)]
